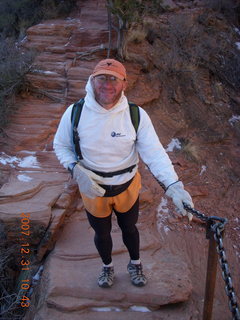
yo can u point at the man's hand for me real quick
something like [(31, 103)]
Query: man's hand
[(179, 196), (88, 182)]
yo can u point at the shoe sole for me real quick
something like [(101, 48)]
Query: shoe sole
[(105, 285)]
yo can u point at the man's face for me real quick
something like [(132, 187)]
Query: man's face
[(107, 89)]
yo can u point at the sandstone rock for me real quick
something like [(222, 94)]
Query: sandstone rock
[(173, 251), (169, 280), (146, 198), (169, 5), (115, 313)]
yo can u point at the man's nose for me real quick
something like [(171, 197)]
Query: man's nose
[(108, 83)]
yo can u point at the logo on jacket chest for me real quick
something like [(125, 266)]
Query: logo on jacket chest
[(117, 134)]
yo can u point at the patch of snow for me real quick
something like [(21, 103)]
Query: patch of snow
[(24, 178), (203, 169), (43, 72), (237, 30), (234, 119), (140, 309), (236, 251), (49, 72), (23, 40), (28, 152), (26, 162), (238, 45), (161, 206), (174, 144), (29, 162), (37, 276), (6, 159), (115, 309), (106, 309), (161, 216), (166, 229), (35, 279)]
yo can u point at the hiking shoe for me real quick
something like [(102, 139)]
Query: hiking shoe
[(106, 276), (136, 273)]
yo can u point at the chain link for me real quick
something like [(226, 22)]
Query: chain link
[(217, 226)]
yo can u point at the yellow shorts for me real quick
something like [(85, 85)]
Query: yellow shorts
[(102, 207)]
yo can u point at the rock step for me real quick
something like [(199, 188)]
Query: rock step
[(49, 68), (42, 120), (79, 73), (53, 37), (55, 28), (40, 144), (24, 133), (49, 81), (98, 20), (22, 124), (46, 39), (34, 107), (114, 313), (168, 276), (48, 57), (86, 37)]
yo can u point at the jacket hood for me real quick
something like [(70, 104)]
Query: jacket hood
[(92, 104)]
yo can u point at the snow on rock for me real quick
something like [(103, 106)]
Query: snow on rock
[(106, 309), (44, 72), (161, 216), (110, 309), (237, 30), (203, 169), (234, 118), (29, 162), (28, 152), (174, 144), (26, 162), (238, 45), (24, 178), (140, 309), (6, 159)]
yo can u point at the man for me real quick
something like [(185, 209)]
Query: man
[(107, 174)]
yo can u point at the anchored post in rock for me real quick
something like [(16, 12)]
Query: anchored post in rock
[(215, 230), (211, 273)]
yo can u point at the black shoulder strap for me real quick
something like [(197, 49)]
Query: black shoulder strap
[(75, 116), (135, 115)]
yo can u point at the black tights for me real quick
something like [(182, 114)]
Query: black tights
[(130, 235)]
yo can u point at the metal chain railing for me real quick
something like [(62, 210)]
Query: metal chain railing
[(217, 225)]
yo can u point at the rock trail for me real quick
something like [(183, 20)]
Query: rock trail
[(38, 184)]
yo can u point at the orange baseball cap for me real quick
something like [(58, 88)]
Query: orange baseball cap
[(112, 67)]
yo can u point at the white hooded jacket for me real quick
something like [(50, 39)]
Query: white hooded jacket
[(109, 143)]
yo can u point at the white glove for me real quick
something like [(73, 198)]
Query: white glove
[(179, 196), (87, 182)]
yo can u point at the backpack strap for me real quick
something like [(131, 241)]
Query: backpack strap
[(75, 117), (135, 115)]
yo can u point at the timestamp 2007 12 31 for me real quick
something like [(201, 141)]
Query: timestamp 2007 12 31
[(25, 252)]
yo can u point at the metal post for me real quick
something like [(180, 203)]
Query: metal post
[(211, 274)]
